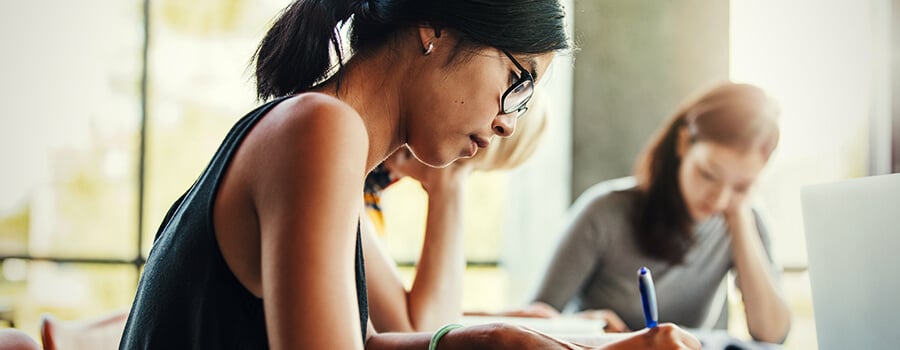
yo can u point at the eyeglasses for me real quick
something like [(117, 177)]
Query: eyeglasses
[(517, 96)]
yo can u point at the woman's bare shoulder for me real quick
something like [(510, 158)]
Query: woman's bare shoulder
[(310, 128), (309, 135), (318, 116)]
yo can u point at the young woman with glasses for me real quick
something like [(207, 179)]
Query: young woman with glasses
[(264, 250)]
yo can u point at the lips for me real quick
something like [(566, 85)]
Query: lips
[(705, 212), (475, 143), (473, 148), (482, 143)]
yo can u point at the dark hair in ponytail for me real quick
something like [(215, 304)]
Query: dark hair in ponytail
[(296, 52)]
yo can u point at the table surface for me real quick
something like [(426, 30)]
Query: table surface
[(720, 339), (573, 328)]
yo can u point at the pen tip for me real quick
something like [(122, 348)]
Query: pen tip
[(643, 271)]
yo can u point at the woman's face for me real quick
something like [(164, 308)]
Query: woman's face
[(716, 178), (454, 109)]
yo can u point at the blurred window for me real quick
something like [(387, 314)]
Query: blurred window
[(80, 195)]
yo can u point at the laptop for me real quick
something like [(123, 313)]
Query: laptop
[(853, 242)]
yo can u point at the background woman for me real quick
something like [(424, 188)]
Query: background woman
[(688, 219)]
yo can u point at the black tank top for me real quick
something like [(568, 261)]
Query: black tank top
[(188, 298)]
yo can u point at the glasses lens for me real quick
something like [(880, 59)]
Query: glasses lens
[(517, 96)]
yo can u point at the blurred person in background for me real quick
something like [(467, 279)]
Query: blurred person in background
[(436, 294), (688, 218)]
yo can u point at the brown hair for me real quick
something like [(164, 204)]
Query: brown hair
[(735, 115)]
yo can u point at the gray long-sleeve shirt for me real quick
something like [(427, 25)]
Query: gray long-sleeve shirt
[(596, 262)]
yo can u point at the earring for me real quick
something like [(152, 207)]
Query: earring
[(429, 49)]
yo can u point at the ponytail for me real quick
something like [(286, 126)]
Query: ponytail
[(296, 52)]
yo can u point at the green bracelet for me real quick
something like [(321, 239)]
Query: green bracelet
[(432, 345)]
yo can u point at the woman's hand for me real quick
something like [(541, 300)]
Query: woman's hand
[(737, 216), (503, 336), (402, 163), (435, 297), (506, 336), (614, 323), (768, 316), (664, 336)]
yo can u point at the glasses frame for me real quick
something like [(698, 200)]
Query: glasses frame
[(524, 77)]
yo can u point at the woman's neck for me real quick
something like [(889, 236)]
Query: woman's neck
[(371, 85)]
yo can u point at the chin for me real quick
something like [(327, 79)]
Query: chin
[(701, 217), (442, 164), (434, 162)]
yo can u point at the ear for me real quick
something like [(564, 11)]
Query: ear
[(429, 37), (683, 143)]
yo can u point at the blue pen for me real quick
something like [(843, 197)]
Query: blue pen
[(648, 297)]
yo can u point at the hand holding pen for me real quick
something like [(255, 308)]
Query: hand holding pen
[(655, 336)]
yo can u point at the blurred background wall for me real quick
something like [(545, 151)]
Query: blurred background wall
[(637, 61)]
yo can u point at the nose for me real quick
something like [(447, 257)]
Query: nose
[(504, 125)]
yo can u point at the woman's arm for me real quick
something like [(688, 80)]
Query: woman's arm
[(505, 336), (575, 256), (768, 316), (388, 306), (436, 295), (435, 298), (306, 195)]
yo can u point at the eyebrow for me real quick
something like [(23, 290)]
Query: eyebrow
[(718, 171)]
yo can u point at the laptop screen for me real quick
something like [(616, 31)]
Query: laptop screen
[(853, 241)]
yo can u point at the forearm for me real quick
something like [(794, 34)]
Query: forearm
[(768, 317), (548, 294), (436, 295), (505, 336), (468, 338), (574, 259), (398, 341)]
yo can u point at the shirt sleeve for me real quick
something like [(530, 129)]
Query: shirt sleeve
[(576, 255)]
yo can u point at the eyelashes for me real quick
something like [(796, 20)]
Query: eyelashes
[(706, 175)]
